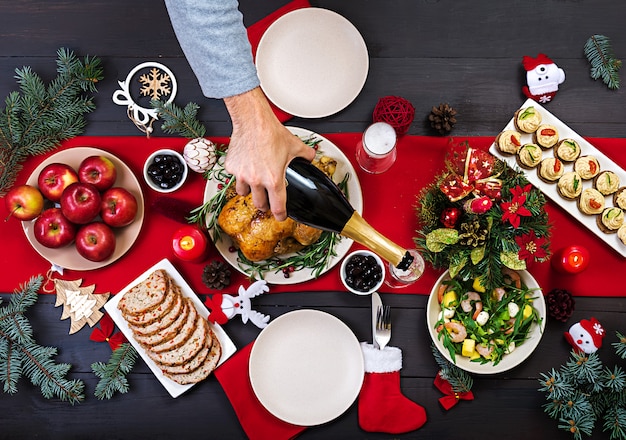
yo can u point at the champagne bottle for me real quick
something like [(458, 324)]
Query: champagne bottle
[(315, 200)]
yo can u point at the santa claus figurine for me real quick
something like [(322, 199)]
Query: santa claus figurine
[(543, 78), (585, 336)]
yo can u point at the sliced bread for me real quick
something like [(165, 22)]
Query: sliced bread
[(146, 295), (186, 351), (201, 373)]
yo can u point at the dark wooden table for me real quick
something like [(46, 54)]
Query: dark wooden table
[(467, 54)]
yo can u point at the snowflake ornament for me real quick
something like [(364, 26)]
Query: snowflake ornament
[(157, 83)]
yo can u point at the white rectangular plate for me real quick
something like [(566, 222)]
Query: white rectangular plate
[(228, 347), (549, 189)]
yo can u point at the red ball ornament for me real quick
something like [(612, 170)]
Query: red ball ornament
[(450, 217), (395, 111)]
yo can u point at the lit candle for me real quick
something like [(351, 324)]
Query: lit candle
[(190, 244), (571, 259)]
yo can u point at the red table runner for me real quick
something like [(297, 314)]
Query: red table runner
[(389, 201)]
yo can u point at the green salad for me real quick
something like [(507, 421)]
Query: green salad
[(481, 325)]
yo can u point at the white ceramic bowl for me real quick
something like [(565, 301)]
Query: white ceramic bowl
[(511, 360), (152, 184), (343, 272)]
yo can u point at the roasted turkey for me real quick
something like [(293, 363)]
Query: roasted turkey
[(258, 234)]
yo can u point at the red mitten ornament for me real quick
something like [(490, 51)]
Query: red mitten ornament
[(586, 336), (382, 406), (543, 78)]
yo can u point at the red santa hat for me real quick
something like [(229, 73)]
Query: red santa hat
[(531, 63), (595, 329)]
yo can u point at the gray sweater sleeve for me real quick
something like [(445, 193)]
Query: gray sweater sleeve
[(215, 42)]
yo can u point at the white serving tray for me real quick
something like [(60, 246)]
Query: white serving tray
[(550, 189), (228, 347)]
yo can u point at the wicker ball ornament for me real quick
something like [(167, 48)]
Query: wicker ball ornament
[(200, 155), (395, 111)]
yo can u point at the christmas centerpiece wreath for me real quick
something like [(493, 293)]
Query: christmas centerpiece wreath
[(479, 216)]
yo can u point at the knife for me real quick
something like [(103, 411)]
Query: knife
[(376, 302)]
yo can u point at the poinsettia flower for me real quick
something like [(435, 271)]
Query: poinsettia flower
[(519, 191), (531, 247), (513, 210), (104, 333)]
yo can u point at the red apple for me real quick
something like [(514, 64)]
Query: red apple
[(95, 241), (54, 178), (24, 202), (100, 171), (51, 229), (80, 202), (118, 207)]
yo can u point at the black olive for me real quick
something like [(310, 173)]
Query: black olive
[(166, 171), (362, 272)]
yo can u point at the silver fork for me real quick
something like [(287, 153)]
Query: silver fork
[(383, 326)]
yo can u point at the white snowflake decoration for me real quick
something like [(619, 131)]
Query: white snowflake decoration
[(154, 84)]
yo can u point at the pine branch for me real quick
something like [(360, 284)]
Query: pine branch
[(459, 380), (20, 354), (37, 118), (620, 346), (179, 121), (585, 392), (113, 374), (603, 63)]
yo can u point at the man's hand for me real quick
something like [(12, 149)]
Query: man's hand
[(260, 150)]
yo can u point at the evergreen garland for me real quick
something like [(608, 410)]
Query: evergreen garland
[(603, 63), (584, 392), (113, 374), (460, 380), (20, 354), (38, 117), (181, 121)]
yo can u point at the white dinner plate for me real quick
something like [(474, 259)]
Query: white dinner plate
[(312, 62), (344, 167), (550, 189), (511, 360), (228, 347), (68, 257), (306, 367)]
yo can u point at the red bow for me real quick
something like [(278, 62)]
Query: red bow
[(214, 304), (451, 398), (105, 333)]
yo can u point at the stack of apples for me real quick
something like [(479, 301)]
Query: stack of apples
[(85, 206)]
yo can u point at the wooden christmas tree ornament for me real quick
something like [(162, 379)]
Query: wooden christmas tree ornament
[(79, 303)]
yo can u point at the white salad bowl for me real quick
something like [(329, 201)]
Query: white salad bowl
[(509, 361)]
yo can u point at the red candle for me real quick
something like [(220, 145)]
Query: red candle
[(572, 259), (190, 244)]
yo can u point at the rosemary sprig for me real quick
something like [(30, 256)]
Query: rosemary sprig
[(206, 214), (315, 256)]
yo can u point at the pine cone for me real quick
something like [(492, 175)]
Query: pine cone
[(442, 118), (216, 275), (561, 304)]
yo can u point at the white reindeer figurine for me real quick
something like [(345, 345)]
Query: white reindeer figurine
[(225, 307)]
